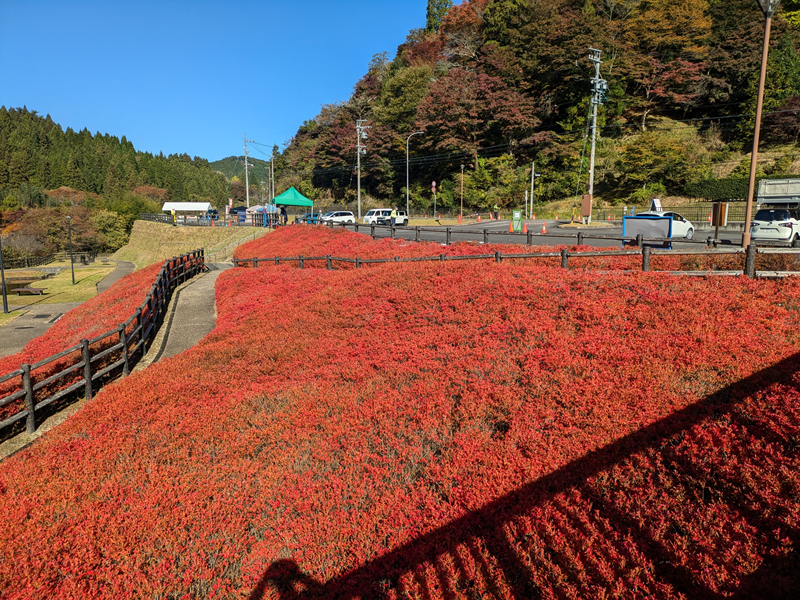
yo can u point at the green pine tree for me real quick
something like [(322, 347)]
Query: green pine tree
[(437, 9)]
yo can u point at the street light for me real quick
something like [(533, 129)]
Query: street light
[(461, 215), (71, 262), (407, 140), (768, 7), (3, 277)]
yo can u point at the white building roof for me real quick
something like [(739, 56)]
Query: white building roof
[(187, 206)]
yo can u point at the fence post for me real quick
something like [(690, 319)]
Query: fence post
[(255, 263), (639, 240), (448, 236), (328, 262), (565, 259), (416, 233), (277, 260), (750, 261), (580, 238), (485, 236), (356, 227), (529, 238), (358, 262), (235, 262), (140, 327), (441, 257), (372, 230), (87, 368), (123, 339), (646, 259), (498, 257), (300, 258), (30, 404)]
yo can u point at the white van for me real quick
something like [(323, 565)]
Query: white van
[(383, 216)]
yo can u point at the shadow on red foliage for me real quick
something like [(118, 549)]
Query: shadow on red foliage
[(596, 525)]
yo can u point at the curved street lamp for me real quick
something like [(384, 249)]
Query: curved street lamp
[(407, 140)]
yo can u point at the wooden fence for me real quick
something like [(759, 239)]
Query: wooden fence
[(748, 256), (89, 365)]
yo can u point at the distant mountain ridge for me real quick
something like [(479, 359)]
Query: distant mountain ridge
[(233, 166)]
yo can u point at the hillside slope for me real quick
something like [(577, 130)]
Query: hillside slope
[(154, 242)]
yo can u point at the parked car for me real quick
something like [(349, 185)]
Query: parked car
[(681, 227), (777, 225), (338, 216), (400, 221), (311, 218), (371, 218)]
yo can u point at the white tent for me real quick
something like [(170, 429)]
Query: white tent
[(201, 207)]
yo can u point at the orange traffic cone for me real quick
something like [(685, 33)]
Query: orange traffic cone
[(479, 218), (544, 227), (511, 227), (709, 217), (525, 227), (459, 219), (556, 217), (609, 217), (534, 216)]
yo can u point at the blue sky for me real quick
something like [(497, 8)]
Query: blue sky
[(176, 76)]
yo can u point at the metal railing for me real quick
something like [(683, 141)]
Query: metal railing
[(93, 362)]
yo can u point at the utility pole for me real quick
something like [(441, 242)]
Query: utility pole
[(246, 172), (768, 7), (599, 87), (272, 175), (534, 175), (3, 277), (361, 134)]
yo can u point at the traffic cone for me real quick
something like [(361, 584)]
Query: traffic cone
[(609, 218), (479, 218), (534, 216), (459, 219), (525, 227), (556, 217), (544, 227), (709, 217), (511, 227)]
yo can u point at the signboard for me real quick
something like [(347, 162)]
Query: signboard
[(586, 205), (516, 220), (719, 214), (655, 204), (648, 227)]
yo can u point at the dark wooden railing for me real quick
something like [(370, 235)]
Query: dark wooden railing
[(94, 362), (748, 266)]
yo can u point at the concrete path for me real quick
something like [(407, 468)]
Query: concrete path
[(39, 317), (191, 316), (123, 268)]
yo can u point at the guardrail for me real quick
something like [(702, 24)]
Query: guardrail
[(94, 362), (646, 252)]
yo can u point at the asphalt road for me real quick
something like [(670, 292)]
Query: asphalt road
[(498, 234)]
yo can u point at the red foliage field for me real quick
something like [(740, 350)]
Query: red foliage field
[(431, 430)]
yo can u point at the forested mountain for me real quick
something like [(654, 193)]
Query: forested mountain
[(233, 166), (496, 84), (36, 154)]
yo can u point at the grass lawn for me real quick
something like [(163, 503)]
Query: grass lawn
[(7, 318), (60, 289)]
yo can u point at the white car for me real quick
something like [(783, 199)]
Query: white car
[(778, 225), (338, 216), (681, 227), (371, 218)]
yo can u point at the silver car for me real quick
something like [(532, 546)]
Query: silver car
[(776, 225), (681, 227)]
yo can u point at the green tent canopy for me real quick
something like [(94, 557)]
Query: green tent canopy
[(292, 197)]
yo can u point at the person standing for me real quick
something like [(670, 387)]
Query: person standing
[(284, 215), (496, 212), (393, 215)]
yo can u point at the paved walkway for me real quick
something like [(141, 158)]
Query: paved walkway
[(192, 314), (39, 316)]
